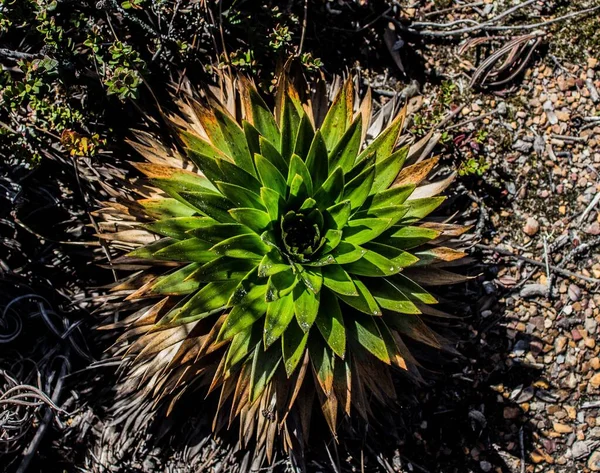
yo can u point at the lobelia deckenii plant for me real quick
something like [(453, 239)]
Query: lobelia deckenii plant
[(279, 259)]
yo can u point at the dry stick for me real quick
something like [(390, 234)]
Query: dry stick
[(459, 7), (304, 25), (556, 269)]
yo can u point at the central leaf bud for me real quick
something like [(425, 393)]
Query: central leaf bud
[(301, 234)]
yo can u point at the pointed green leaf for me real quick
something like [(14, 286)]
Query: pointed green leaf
[(240, 196), (213, 232), (393, 214), (331, 191), (208, 166), (365, 331), (241, 345), (248, 246), (212, 205), (347, 253), (280, 284), (323, 362), (413, 290), (175, 227), (269, 152), (273, 202), (346, 150), (358, 189), (419, 208), (384, 144), (270, 175), (254, 219), (317, 161), (264, 365), (263, 118), (190, 250), (387, 169), (289, 129), (304, 137), (363, 230), (364, 302), (399, 257), (244, 315), (372, 264), (330, 323), (389, 296), (306, 306), (312, 279), (177, 282), (298, 168), (148, 251), (293, 343), (337, 118), (407, 237), (337, 215), (166, 208), (236, 142), (272, 263), (279, 314), (224, 269), (338, 280), (252, 137), (199, 145), (235, 175), (389, 198), (298, 191)]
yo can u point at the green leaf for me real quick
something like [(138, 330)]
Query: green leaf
[(244, 314), (304, 137), (331, 240), (384, 144), (166, 208), (200, 146), (331, 191), (389, 197), (365, 331), (330, 323), (248, 246), (364, 302), (190, 250), (280, 284), (365, 229), (264, 365), (147, 251), (338, 115), (306, 306), (279, 314), (205, 302), (408, 237), (211, 126), (372, 264), (298, 168), (240, 196), (273, 202), (208, 166), (387, 170), (224, 269), (235, 139), (293, 343), (255, 219), (242, 344), (272, 263), (338, 280), (357, 190), (173, 181), (177, 282), (419, 208), (399, 257), (346, 253), (317, 161), (252, 137), (213, 232), (289, 129), (394, 214), (270, 175), (298, 191), (175, 227), (262, 118), (346, 150), (312, 279), (212, 205), (389, 296), (233, 174), (413, 290), (337, 215), (269, 152)]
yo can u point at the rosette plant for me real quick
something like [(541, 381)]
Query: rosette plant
[(280, 259)]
